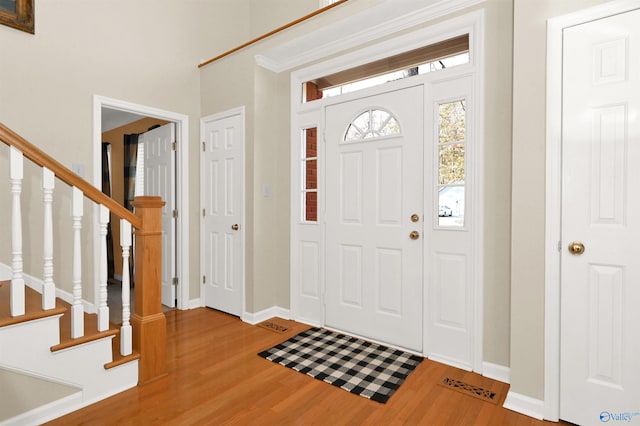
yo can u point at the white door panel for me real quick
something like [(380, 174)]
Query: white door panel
[(600, 289), (159, 180), (373, 186), (222, 188)]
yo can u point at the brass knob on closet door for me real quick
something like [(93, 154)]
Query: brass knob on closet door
[(235, 227), (414, 235), (576, 248)]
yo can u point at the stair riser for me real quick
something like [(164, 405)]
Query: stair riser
[(81, 365)]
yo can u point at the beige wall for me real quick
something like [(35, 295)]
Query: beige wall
[(236, 80), (268, 15), (145, 52), (528, 213)]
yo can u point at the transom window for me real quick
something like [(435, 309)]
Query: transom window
[(373, 123), (434, 57)]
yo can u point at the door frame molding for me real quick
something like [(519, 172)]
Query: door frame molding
[(553, 213), (182, 187), (304, 115), (215, 117)]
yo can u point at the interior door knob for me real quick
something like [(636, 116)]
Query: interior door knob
[(235, 226), (414, 235), (576, 248)]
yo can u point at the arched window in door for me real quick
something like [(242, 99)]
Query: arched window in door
[(372, 123)]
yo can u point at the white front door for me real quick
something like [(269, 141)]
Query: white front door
[(222, 187), (374, 184), (159, 180), (600, 254)]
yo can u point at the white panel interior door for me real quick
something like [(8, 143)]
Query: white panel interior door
[(222, 190), (373, 187), (159, 180), (600, 284)]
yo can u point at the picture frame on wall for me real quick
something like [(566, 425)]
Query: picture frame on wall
[(18, 14)]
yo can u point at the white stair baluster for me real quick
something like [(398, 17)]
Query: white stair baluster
[(17, 279), (77, 312), (103, 309), (48, 287), (126, 345)]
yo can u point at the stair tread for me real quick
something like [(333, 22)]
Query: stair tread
[(33, 306), (33, 310)]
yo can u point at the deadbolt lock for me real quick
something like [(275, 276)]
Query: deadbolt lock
[(415, 218)]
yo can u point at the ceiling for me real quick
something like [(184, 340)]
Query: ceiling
[(113, 118)]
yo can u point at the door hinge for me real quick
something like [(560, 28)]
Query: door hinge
[(204, 279), (204, 213), (174, 213), (175, 281), (174, 146), (203, 147)]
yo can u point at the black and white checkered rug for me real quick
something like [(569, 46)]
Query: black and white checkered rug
[(364, 368)]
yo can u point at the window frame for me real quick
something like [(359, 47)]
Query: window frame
[(22, 19)]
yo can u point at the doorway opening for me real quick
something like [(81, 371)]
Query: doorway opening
[(113, 119)]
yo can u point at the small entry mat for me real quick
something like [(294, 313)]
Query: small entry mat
[(367, 369), (274, 324)]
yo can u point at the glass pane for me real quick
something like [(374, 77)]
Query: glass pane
[(311, 206), (390, 128), (451, 206), (452, 121), (353, 134), (311, 174), (363, 121), (378, 119), (8, 6), (451, 166), (311, 142)]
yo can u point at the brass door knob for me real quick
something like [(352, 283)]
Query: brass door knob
[(576, 248), (414, 235), (415, 218), (235, 227)]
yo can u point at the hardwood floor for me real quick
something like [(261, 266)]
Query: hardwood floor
[(215, 377)]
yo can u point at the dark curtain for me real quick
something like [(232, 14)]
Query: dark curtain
[(106, 189), (130, 160)]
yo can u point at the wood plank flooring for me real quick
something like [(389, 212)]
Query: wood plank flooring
[(215, 377)]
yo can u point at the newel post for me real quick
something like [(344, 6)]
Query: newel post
[(148, 320)]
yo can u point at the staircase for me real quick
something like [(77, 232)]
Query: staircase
[(58, 351)]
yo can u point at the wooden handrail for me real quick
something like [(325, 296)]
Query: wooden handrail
[(270, 33), (9, 137)]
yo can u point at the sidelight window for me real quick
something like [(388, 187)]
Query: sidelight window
[(310, 174), (451, 162)]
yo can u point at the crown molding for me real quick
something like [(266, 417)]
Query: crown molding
[(389, 17)]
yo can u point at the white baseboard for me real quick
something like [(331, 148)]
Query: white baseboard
[(274, 311), (36, 283), (5, 272), (524, 405), (496, 372), (195, 303)]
